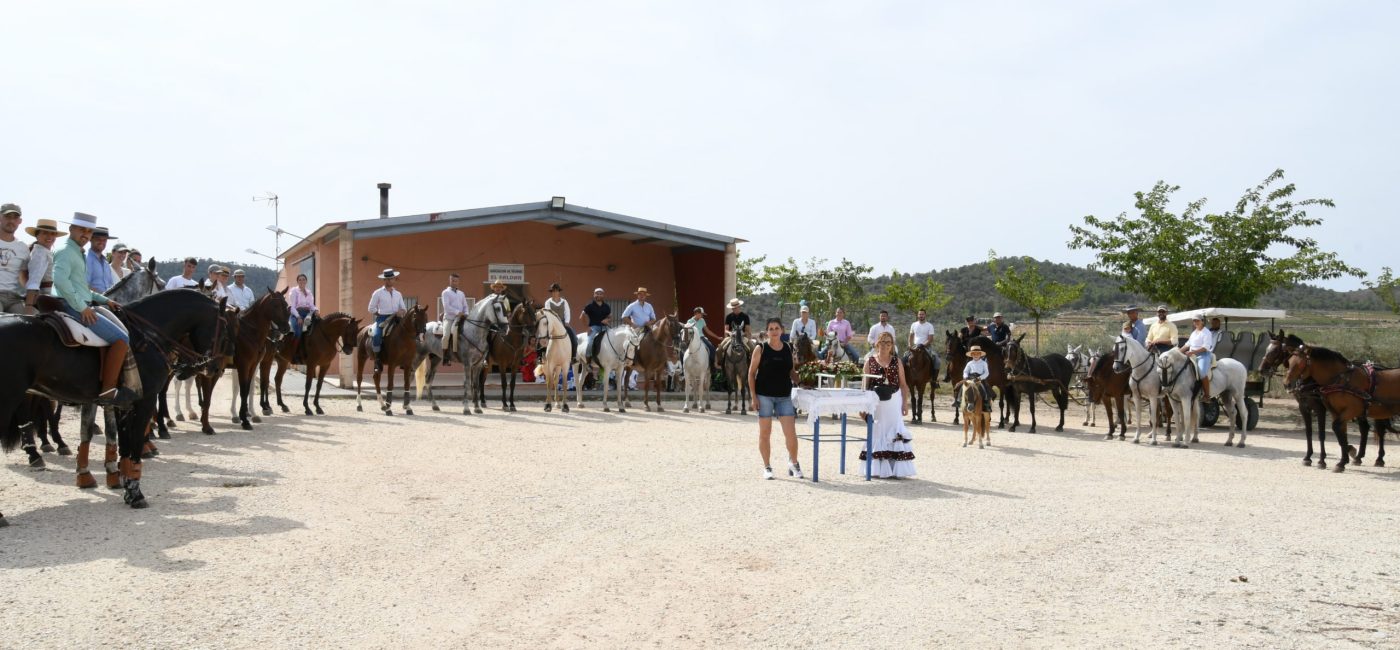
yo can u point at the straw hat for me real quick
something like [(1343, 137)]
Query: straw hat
[(44, 225), (388, 274), (976, 352), (642, 290), (736, 303), (497, 284)]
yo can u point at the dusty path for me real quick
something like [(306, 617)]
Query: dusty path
[(607, 530)]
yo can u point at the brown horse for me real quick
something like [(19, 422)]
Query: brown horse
[(922, 371), (955, 356), (1107, 387), (659, 346), (400, 346), (254, 327), (803, 349), (976, 419), (1306, 393), (507, 351), (1350, 391), (319, 343)]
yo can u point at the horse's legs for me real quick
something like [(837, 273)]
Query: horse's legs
[(1122, 417), (282, 372), (407, 410), (320, 381), (1339, 428), (1380, 442), (206, 399), (245, 389), (306, 392), (189, 396), (359, 378), (388, 402)]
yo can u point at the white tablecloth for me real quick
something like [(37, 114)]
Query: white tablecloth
[(833, 401)]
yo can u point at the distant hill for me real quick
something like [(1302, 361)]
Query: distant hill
[(973, 293), (257, 277)]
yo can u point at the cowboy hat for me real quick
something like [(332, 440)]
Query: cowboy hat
[(976, 352), (388, 274), (83, 221), (10, 207), (736, 303), (554, 286), (101, 231), (642, 290), (44, 225), (497, 284), (1130, 308)]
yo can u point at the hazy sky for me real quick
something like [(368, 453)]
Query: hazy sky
[(912, 135)]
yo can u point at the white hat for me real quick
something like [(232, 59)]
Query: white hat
[(805, 309), (598, 290), (736, 303), (388, 274), (83, 220), (996, 315)]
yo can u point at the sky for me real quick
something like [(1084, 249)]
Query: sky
[(904, 135)]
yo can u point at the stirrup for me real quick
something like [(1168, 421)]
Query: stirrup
[(119, 397)]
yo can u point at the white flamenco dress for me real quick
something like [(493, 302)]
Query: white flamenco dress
[(891, 441)]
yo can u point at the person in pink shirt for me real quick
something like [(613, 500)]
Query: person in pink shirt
[(303, 305), (843, 330)]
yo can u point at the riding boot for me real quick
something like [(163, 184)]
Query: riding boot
[(85, 479), (111, 395), (1205, 388), (296, 351)]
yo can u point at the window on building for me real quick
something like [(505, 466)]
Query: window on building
[(307, 266)]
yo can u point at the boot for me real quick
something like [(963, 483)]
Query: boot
[(85, 479), (379, 360), (114, 480), (296, 352), (112, 359), (1205, 388)]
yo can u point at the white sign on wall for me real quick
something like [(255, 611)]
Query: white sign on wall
[(508, 273)]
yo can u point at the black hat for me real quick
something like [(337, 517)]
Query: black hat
[(971, 318)]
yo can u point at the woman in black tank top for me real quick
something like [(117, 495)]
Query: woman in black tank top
[(771, 378)]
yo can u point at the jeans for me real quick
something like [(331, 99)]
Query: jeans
[(103, 328), (775, 406), (378, 340), (297, 316), (850, 352), (1203, 364)]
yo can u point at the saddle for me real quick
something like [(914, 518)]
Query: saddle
[(71, 331)]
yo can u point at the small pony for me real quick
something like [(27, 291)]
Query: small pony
[(975, 418)]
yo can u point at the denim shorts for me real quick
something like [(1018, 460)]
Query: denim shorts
[(775, 406)]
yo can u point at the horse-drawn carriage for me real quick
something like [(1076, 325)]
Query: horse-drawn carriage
[(1246, 346)]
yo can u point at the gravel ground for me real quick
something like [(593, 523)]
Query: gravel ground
[(646, 529)]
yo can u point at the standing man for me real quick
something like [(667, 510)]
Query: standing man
[(99, 272), (1162, 335), (240, 296), (879, 328), (999, 330), (70, 278), (971, 330), (921, 333), (386, 302), (842, 328), (1135, 326), (804, 324), (736, 319), (454, 306), (40, 267), (14, 254), (639, 314), (186, 279), (599, 315)]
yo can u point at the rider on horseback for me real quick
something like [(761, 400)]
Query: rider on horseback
[(1199, 347), (560, 306), (697, 322), (842, 328), (639, 314), (303, 306), (920, 335), (976, 368), (599, 314), (40, 264), (70, 279), (1162, 335), (736, 319), (454, 307), (386, 303)]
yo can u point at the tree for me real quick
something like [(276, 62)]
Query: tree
[(1032, 291), (1196, 259), (747, 278), (1388, 288), (910, 296)]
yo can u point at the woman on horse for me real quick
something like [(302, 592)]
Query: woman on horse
[(70, 282), (889, 441), (303, 306), (697, 322), (386, 303), (771, 378), (976, 368), (1199, 347), (560, 306)]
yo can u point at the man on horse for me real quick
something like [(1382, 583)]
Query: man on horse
[(976, 368), (498, 288), (736, 319), (454, 307), (240, 296), (970, 331), (842, 328), (302, 304), (1135, 326), (804, 324), (70, 278), (599, 315), (13, 256), (882, 327), (99, 272), (639, 314), (386, 302), (40, 265), (558, 304), (920, 334), (1162, 335), (999, 330), (186, 278)]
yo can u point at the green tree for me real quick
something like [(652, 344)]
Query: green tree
[(748, 280), (1387, 288), (1035, 293), (910, 295), (1196, 259), (786, 282)]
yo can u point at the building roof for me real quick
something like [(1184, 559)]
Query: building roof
[(570, 217), (1228, 312)]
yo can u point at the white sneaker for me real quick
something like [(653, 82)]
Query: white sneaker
[(794, 470), (768, 473)]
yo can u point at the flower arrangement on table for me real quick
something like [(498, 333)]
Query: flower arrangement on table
[(809, 374)]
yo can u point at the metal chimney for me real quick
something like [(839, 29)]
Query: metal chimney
[(384, 200)]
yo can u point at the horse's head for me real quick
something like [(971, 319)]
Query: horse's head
[(523, 318), (953, 345), (417, 319), (347, 335), (1299, 367), (1012, 354), (1072, 354)]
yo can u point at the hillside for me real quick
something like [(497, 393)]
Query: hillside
[(258, 277)]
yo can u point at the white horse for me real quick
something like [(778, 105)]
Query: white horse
[(1131, 357), (1179, 377), (470, 352), (1080, 361), (615, 354), (554, 366), (834, 350), (697, 369)]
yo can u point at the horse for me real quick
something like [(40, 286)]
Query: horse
[(955, 352), (34, 415), (1306, 393), (506, 351), (803, 349), (1033, 375), (734, 354), (1350, 392), (554, 366), (470, 352), (922, 371), (37, 361), (400, 345), (657, 347), (318, 349), (835, 352), (1079, 358), (1180, 381), (1133, 359), (268, 315), (976, 419), (697, 369), (616, 352), (1104, 385)]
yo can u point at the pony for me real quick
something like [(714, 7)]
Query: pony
[(1181, 385), (658, 346), (554, 366), (1306, 393), (1033, 375), (1104, 385), (320, 342), (1133, 359), (616, 352), (976, 419), (697, 369), (1350, 391), (922, 371), (474, 327), (734, 354), (400, 345), (955, 353)]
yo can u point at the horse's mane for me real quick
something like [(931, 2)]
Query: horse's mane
[(1293, 340), (988, 345), (1325, 355), (337, 314)]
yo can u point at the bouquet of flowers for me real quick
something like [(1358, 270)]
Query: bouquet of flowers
[(842, 371)]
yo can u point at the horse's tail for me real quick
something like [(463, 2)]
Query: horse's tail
[(10, 435), (420, 375)]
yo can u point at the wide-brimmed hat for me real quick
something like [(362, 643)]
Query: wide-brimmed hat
[(223, 270), (388, 274), (736, 303), (82, 220), (976, 352), (497, 284), (641, 290), (44, 225), (10, 207), (101, 231), (554, 286), (1131, 308)]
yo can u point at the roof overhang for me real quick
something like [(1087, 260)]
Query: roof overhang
[(323, 234), (1228, 313)]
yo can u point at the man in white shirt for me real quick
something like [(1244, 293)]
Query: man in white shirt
[(879, 328), (14, 254), (921, 333), (240, 296), (385, 303), (454, 306), (804, 324), (185, 280)]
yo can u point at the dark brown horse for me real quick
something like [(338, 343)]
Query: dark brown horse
[(955, 359), (1350, 392), (319, 343), (255, 325), (1109, 388), (922, 371), (1030, 376), (1306, 393), (400, 346), (804, 350), (507, 350), (659, 346)]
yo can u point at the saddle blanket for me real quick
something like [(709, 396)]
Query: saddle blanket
[(81, 335)]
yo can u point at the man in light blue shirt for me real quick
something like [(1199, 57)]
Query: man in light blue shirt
[(1135, 327), (639, 313), (99, 272)]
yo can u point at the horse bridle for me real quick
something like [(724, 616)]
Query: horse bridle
[(1132, 369), (170, 347), (1169, 383)]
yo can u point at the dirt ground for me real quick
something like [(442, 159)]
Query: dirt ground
[(655, 530)]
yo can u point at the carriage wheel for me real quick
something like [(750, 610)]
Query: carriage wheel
[(1252, 420), (1210, 412)]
